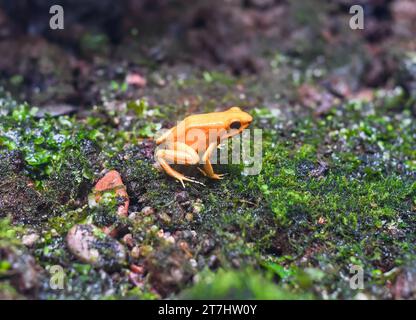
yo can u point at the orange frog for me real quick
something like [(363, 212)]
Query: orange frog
[(194, 139)]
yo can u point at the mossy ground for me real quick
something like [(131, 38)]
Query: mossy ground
[(335, 190)]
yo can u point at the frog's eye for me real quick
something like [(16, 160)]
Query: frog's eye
[(235, 125)]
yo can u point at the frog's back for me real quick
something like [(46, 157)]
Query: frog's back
[(194, 130), (204, 120)]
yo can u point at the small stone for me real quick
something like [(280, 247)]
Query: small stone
[(213, 261), (30, 239), (236, 263), (361, 296), (404, 286), (189, 217), (168, 270), (128, 240), (90, 245), (136, 279), (133, 216), (135, 252), (55, 110), (165, 217), (137, 269), (321, 220), (24, 273), (182, 196), (136, 79), (188, 234), (148, 211), (170, 239), (112, 182), (193, 263), (208, 245), (365, 95)]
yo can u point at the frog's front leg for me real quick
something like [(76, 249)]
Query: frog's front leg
[(208, 170), (180, 153)]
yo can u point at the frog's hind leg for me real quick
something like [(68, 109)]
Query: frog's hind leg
[(181, 154)]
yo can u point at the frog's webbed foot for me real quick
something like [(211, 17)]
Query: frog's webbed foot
[(189, 179), (217, 176), (212, 175)]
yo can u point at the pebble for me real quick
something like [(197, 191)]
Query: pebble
[(134, 216), (112, 181), (160, 233), (193, 263), (164, 217), (137, 268), (136, 79), (30, 239), (213, 261), (90, 245), (148, 211), (135, 252), (128, 240), (56, 110), (170, 239)]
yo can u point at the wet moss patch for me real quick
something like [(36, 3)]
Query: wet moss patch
[(335, 191)]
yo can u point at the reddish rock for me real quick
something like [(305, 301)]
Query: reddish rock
[(128, 240), (137, 269), (112, 182), (136, 79), (404, 15), (365, 94), (404, 286), (319, 100)]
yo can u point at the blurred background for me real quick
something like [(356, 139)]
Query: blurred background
[(240, 37)]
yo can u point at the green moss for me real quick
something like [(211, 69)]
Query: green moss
[(8, 292), (351, 207), (243, 284), (94, 43), (47, 143), (68, 218), (9, 234)]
